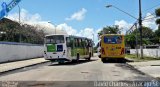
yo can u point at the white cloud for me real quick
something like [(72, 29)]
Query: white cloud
[(80, 15), (67, 28), (123, 25), (149, 21), (25, 17), (87, 32), (36, 20)]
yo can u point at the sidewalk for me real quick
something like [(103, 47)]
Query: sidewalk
[(151, 68), (20, 64)]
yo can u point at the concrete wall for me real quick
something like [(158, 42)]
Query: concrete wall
[(16, 51), (148, 52)]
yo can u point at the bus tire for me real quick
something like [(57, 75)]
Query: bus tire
[(60, 63), (89, 58), (103, 60), (99, 56), (77, 59)]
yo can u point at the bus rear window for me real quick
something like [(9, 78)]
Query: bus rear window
[(55, 39), (113, 39)]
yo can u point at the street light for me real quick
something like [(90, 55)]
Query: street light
[(54, 25), (19, 13), (108, 6), (19, 22), (93, 36)]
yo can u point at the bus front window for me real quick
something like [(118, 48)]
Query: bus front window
[(55, 39), (113, 39)]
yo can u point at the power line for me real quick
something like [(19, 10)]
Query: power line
[(146, 17), (151, 7), (152, 14), (149, 18)]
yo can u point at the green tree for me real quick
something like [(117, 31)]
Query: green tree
[(157, 11), (110, 30), (28, 33), (157, 32), (130, 40), (147, 35)]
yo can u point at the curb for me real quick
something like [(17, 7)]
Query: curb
[(140, 72), (3, 72)]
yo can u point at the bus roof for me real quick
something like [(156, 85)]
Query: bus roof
[(70, 36), (111, 35), (56, 34)]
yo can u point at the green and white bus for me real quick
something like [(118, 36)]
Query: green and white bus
[(61, 48)]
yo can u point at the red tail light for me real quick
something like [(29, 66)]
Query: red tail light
[(122, 51), (103, 52)]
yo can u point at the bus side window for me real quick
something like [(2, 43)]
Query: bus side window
[(79, 41), (68, 42), (87, 43), (90, 43), (78, 45), (82, 45), (76, 42), (72, 42)]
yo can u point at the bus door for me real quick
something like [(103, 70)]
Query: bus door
[(69, 44)]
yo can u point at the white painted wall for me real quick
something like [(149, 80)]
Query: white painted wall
[(12, 52), (147, 52)]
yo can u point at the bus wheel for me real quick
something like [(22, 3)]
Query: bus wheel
[(60, 63), (89, 58), (77, 59), (103, 60)]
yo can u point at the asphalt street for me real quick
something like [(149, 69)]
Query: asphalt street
[(93, 70)]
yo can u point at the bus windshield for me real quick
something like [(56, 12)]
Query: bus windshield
[(113, 39), (55, 39)]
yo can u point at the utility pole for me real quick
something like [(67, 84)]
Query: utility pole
[(140, 28), (20, 36), (54, 25), (55, 28), (136, 40), (93, 36)]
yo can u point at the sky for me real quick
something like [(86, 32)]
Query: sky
[(82, 17)]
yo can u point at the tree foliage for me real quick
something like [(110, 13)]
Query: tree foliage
[(147, 34), (14, 31), (130, 40), (157, 11), (110, 30), (157, 32), (158, 21)]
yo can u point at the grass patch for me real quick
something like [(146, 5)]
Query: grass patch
[(145, 58)]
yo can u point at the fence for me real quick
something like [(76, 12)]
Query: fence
[(148, 52), (11, 51)]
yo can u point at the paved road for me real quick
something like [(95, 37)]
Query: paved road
[(93, 70)]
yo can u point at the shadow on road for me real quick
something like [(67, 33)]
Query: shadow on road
[(74, 63), (117, 60)]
